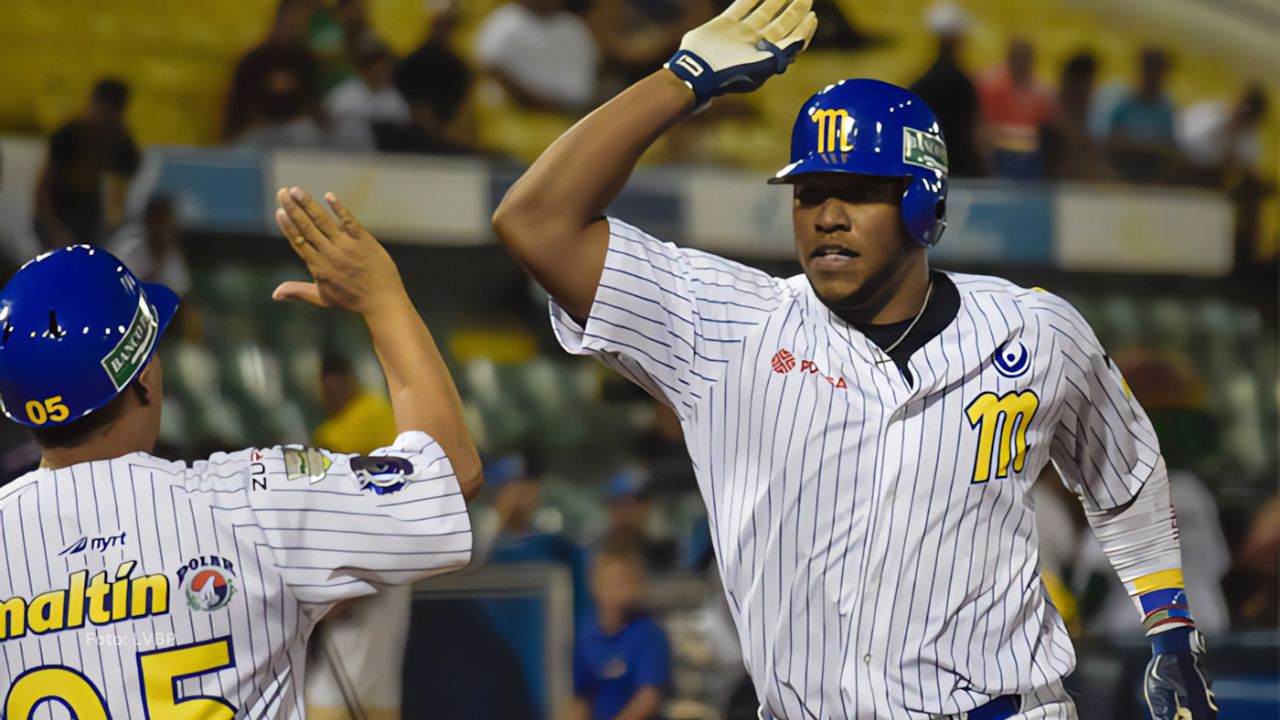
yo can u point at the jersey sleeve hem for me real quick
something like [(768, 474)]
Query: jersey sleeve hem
[(572, 335)]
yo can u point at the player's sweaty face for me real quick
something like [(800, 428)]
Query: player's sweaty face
[(849, 234)]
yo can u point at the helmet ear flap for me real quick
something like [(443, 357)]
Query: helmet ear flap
[(940, 212), (924, 212)]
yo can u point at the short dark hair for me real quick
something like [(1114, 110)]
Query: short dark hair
[(112, 93), (1081, 65), (334, 363), (368, 50), (1155, 57), (1255, 100), (76, 432)]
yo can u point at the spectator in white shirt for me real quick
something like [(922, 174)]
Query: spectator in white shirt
[(542, 55), (152, 249), (363, 102), (1218, 139)]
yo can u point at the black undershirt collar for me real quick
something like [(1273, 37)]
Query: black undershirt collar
[(943, 307)]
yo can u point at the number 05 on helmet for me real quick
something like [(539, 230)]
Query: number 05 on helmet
[(76, 327)]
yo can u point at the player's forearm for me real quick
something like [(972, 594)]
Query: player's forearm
[(1141, 542), (423, 395), (576, 178), (646, 704)]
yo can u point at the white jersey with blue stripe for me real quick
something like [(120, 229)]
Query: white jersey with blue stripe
[(875, 535), (142, 588)]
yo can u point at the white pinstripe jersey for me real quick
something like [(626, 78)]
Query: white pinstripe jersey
[(140, 588), (875, 536)]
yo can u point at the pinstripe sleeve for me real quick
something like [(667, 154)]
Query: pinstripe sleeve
[(667, 317), (342, 525), (1105, 448)]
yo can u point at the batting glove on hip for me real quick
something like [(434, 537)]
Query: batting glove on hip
[(743, 47), (1175, 684)]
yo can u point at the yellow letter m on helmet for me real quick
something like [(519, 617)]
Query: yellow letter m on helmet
[(834, 130)]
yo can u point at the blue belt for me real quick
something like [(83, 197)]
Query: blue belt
[(1005, 706), (1001, 708)]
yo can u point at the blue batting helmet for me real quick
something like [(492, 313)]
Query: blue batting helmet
[(76, 327), (869, 127)]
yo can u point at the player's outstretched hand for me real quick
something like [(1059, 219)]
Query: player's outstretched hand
[(1175, 685), (744, 46), (351, 269)]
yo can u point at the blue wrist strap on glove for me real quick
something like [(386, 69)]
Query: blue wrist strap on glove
[(1172, 642), (707, 83)]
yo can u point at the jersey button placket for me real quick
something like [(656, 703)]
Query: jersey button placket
[(889, 484)]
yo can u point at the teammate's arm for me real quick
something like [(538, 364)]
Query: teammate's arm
[(354, 272), (551, 219)]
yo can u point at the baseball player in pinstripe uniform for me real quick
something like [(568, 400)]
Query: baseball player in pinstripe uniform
[(864, 434), (134, 587)]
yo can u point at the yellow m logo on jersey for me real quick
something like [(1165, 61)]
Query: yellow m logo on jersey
[(1002, 423), (834, 126)]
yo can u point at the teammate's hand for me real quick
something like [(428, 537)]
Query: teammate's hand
[(352, 270), (1175, 684), (744, 46)]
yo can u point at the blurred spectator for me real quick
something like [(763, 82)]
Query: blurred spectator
[(836, 30), (366, 101), (1070, 152), (1140, 134), (275, 93), (1016, 108), (334, 33), (89, 152), (19, 452), (358, 420), (1220, 140), (1223, 147), (948, 90), (622, 658), (541, 54), (516, 482), (436, 83), (662, 450), (1257, 569), (153, 249), (1172, 393), (636, 36), (628, 495)]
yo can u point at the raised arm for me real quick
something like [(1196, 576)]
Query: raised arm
[(551, 219), (353, 271)]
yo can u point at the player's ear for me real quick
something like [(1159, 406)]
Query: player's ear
[(147, 386)]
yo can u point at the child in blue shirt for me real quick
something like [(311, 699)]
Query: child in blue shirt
[(622, 661)]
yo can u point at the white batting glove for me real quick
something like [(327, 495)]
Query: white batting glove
[(743, 47)]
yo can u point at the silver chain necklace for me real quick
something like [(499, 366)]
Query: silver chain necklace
[(927, 294)]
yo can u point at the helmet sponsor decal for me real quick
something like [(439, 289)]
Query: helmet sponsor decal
[(923, 149), (126, 357)]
